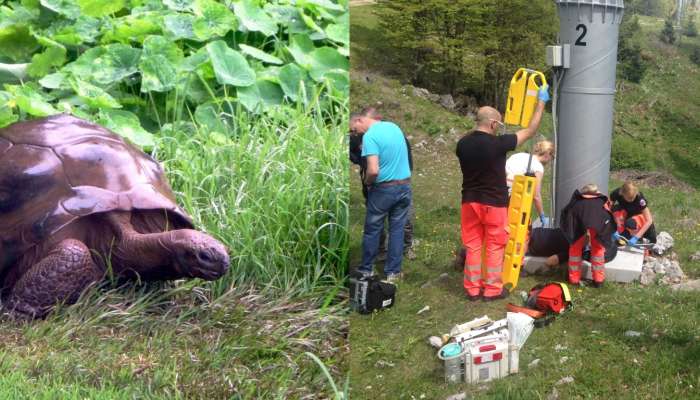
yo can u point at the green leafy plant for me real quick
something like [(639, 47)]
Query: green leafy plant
[(159, 61)]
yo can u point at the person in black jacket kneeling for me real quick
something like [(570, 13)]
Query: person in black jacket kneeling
[(588, 215)]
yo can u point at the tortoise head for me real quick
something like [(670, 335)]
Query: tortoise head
[(198, 255)]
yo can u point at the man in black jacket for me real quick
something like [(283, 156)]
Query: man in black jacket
[(588, 215), (357, 159)]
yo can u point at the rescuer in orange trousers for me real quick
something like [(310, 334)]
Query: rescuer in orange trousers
[(482, 158), (588, 216), (632, 214)]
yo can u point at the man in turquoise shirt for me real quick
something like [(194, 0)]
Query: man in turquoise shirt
[(389, 190)]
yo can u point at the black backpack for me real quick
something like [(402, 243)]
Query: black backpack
[(369, 293)]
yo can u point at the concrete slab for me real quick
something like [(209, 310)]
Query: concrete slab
[(626, 267)]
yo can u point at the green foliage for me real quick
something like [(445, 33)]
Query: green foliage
[(695, 55), (454, 46), (668, 34), (207, 86), (161, 60), (653, 8), (690, 29), (630, 153), (631, 66)]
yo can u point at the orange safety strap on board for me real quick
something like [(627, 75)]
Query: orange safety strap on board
[(536, 314)]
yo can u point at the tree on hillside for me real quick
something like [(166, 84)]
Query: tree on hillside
[(695, 55), (402, 25), (520, 29), (630, 64), (645, 7), (668, 35), (690, 29), (470, 47)]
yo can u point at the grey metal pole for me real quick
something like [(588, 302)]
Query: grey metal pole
[(586, 95)]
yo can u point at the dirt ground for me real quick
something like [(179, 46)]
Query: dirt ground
[(651, 179)]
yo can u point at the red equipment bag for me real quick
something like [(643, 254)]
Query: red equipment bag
[(544, 302), (553, 297)]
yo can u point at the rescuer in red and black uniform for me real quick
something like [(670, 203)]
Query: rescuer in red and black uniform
[(632, 214), (588, 215), (482, 158)]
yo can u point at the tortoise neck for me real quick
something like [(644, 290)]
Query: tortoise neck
[(140, 252)]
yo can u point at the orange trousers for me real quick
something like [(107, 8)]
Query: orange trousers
[(483, 224), (597, 259)]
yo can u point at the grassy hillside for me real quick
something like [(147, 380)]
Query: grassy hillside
[(390, 357), (657, 120)]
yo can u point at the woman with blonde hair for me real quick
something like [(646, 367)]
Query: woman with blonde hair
[(517, 164), (632, 214)]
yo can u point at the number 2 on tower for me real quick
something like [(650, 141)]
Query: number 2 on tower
[(579, 41)]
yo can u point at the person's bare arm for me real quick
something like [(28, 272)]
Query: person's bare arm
[(372, 169), (538, 194), (527, 133), (647, 217)]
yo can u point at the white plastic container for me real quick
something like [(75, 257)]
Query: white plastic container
[(486, 359)]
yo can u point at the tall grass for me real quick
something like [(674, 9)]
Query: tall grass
[(272, 188)]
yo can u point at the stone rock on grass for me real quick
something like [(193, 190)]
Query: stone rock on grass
[(565, 380), (648, 276), (690, 286), (441, 141), (384, 364), (695, 256), (448, 102), (533, 363), (554, 395), (674, 274), (666, 266), (660, 266), (664, 241), (420, 92), (458, 396), (435, 341)]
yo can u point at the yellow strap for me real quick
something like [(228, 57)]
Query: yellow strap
[(565, 289)]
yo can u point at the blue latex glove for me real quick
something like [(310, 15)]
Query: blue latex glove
[(544, 220), (543, 94), (616, 236), (633, 240)]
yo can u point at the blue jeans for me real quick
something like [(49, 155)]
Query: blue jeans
[(394, 202)]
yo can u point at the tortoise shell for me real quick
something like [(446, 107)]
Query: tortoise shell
[(57, 169)]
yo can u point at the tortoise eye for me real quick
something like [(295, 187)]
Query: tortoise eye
[(204, 256)]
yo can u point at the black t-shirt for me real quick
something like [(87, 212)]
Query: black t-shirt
[(482, 158), (634, 207)]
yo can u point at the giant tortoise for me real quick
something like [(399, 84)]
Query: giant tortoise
[(76, 200)]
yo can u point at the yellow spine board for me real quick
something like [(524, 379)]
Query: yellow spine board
[(518, 221), (522, 96)]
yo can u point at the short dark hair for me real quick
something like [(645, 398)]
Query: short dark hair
[(369, 111)]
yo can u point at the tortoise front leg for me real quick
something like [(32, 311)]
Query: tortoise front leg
[(59, 277)]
